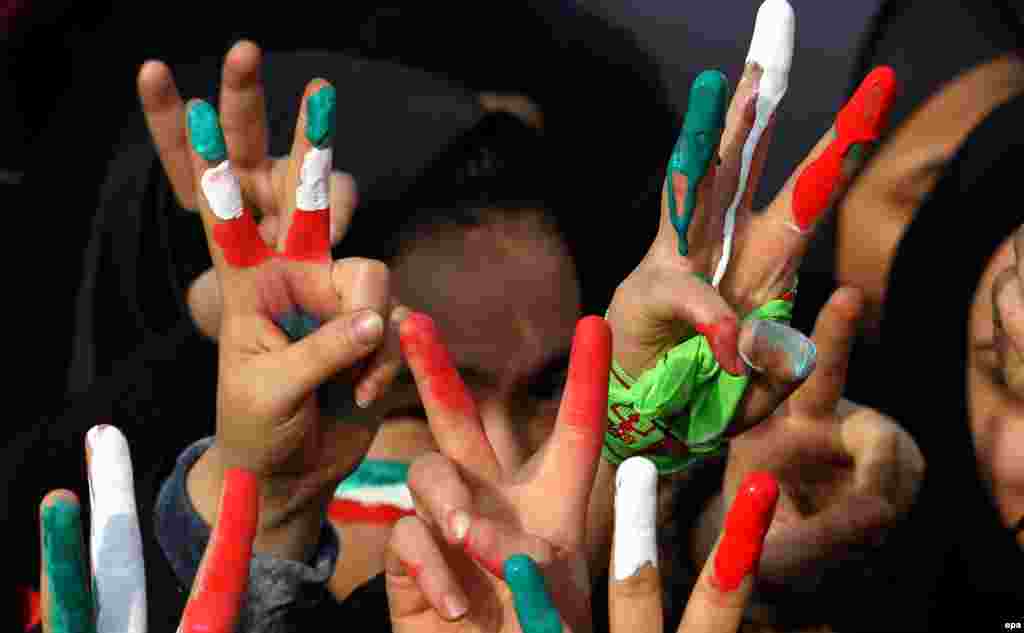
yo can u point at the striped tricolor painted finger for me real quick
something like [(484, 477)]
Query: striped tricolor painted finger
[(309, 236)]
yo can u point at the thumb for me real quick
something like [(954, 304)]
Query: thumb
[(336, 345)]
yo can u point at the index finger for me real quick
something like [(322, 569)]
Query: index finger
[(451, 411), (232, 235), (693, 156)]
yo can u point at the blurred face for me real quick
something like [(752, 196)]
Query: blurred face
[(506, 299), (997, 409), (882, 201)]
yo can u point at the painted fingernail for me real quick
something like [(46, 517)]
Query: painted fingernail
[(746, 525), (297, 325), (459, 523), (367, 327), (320, 118), (534, 609), (455, 606), (636, 545), (723, 337), (204, 132)]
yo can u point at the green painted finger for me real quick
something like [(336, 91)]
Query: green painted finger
[(69, 605), (696, 146), (204, 132), (536, 612), (320, 119)]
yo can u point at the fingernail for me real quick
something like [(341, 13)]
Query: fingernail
[(746, 525), (320, 119), (723, 337), (459, 523), (455, 606), (367, 327), (533, 605), (204, 132)]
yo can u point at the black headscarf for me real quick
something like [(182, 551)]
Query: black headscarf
[(953, 555)]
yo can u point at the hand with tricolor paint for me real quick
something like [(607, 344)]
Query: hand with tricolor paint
[(104, 591), (716, 604), (846, 472), (478, 504), (669, 297), (302, 338)]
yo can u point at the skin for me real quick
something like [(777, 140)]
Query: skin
[(997, 401), (506, 298), (881, 202)]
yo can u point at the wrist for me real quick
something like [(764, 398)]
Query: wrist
[(285, 530)]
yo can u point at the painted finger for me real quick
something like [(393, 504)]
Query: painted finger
[(834, 334), (570, 457), (417, 575), (535, 610), (695, 150), (223, 577), (165, 118), (308, 235), (720, 596), (118, 568), (335, 346), (451, 410), (690, 299), (634, 588), (65, 601), (438, 491), (771, 56), (860, 121), (231, 226), (243, 114)]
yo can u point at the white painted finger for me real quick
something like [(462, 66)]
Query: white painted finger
[(636, 488), (115, 545), (771, 48)]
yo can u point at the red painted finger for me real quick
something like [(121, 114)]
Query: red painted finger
[(571, 457), (223, 576), (746, 525), (451, 410), (860, 121), (490, 543)]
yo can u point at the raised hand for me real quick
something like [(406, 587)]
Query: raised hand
[(478, 505), (846, 473), (109, 593), (716, 604), (292, 321), (263, 179)]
